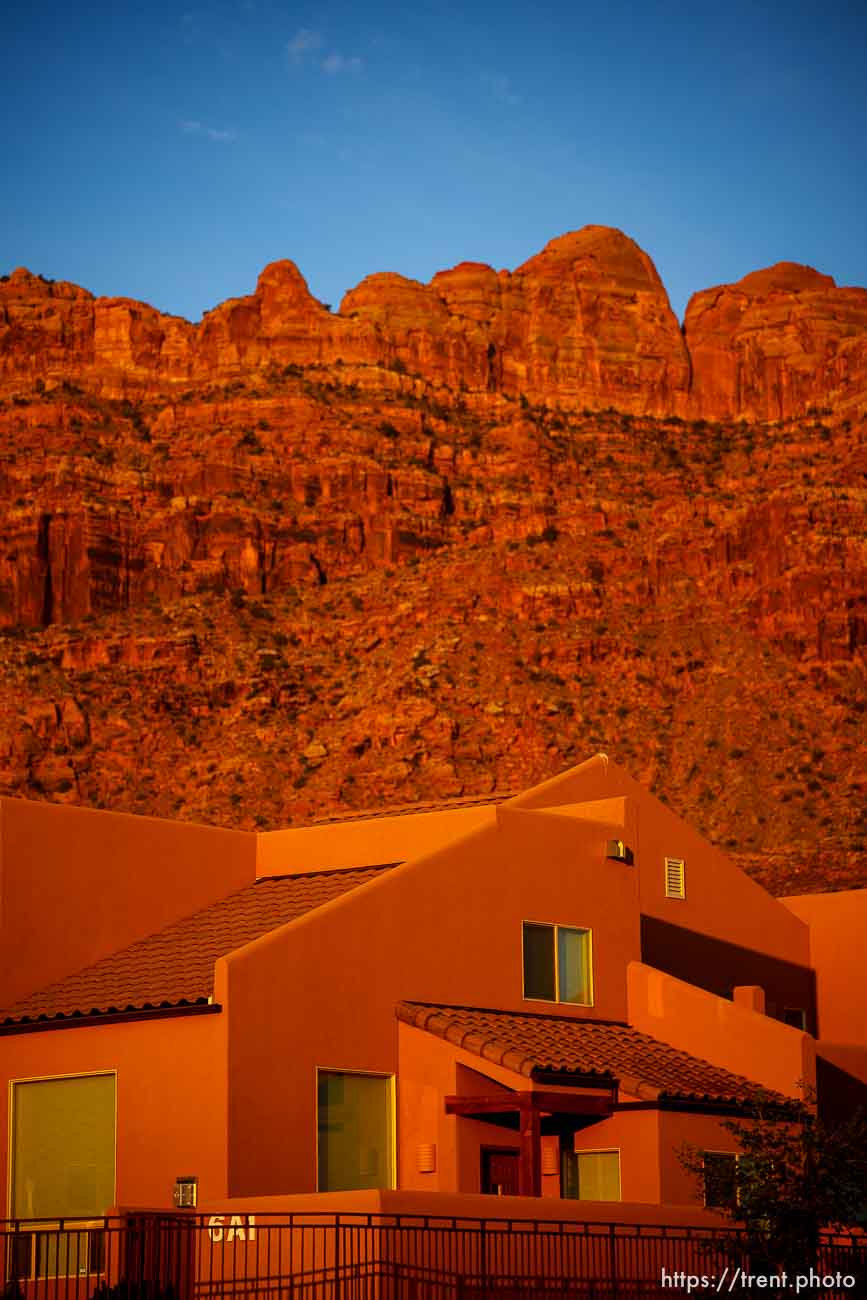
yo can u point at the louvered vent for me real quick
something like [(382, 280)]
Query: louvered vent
[(675, 878), (551, 1157), (426, 1157)]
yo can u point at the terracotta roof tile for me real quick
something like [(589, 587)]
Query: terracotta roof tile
[(176, 965), (530, 1044), (408, 809)]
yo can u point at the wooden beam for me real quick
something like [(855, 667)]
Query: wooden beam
[(562, 1103), (556, 1103), (483, 1105), (530, 1159)]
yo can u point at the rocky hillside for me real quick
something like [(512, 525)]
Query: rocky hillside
[(442, 543)]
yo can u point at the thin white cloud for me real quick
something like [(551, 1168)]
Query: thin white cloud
[(220, 135), (500, 88), (336, 63), (305, 41), (306, 47)]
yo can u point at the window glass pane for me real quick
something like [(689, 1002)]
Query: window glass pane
[(720, 1179), (573, 965), (539, 962), (354, 1127), (61, 1254), (63, 1148), (569, 1176), (598, 1175)]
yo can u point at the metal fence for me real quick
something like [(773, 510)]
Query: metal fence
[(319, 1256)]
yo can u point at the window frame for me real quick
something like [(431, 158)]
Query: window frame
[(557, 1001), (714, 1151), (51, 1078), (392, 1127), (594, 1151)]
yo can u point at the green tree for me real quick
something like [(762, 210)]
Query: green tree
[(794, 1177)]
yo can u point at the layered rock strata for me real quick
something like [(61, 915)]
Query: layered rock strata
[(585, 324)]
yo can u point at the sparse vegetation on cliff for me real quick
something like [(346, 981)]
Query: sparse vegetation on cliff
[(456, 592)]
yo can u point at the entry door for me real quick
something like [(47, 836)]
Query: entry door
[(500, 1171)]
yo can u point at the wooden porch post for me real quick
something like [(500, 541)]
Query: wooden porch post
[(530, 1163)]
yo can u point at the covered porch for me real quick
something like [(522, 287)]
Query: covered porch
[(534, 1114), (550, 1105)]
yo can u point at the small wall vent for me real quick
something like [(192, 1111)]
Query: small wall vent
[(617, 851), (675, 878), (551, 1157), (426, 1157)]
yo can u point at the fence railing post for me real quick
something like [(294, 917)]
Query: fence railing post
[(483, 1255), (372, 1257)]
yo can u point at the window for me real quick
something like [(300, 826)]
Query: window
[(795, 1016), (62, 1167), (675, 878), (557, 964), (591, 1175), (355, 1131), (720, 1179), (63, 1147)]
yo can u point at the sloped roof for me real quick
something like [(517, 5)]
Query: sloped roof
[(175, 966), (530, 1044), (411, 809)]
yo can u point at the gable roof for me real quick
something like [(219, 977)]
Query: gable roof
[(408, 809), (175, 966), (532, 1044)]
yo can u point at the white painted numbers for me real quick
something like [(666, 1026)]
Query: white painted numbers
[(240, 1226)]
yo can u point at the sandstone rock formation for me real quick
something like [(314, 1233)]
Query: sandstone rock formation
[(441, 543), (585, 324), (777, 344)]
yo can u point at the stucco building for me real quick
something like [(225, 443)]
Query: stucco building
[(545, 996)]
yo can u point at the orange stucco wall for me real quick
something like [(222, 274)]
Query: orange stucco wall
[(720, 901), (76, 884), (446, 928), (720, 1031), (171, 1097), (443, 1204), (366, 842), (678, 1130), (429, 1069), (838, 933), (635, 1134)]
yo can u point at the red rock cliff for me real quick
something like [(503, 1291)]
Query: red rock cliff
[(775, 344), (585, 324)]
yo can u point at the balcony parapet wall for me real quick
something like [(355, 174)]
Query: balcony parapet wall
[(729, 1035)]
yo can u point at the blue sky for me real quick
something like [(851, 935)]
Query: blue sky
[(168, 152)]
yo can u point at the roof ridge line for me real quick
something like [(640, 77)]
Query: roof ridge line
[(504, 1011), (322, 871), (404, 810)]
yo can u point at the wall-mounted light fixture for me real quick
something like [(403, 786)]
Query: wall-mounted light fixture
[(186, 1193)]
